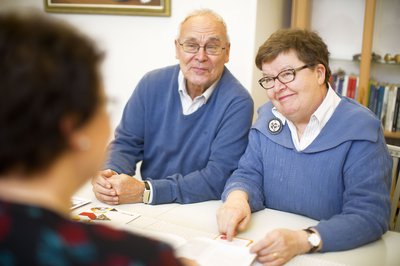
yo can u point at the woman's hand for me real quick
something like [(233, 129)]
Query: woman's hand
[(280, 245), (234, 214)]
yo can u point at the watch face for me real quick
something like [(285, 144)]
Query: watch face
[(314, 240)]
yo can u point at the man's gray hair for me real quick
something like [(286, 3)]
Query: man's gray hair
[(205, 12)]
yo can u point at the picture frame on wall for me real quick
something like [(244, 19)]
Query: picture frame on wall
[(116, 7)]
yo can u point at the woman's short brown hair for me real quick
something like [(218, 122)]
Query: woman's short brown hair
[(48, 71), (308, 45)]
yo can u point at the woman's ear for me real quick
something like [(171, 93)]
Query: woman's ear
[(321, 72), (76, 140), (82, 143)]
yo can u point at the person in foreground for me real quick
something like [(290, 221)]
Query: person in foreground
[(53, 138), (310, 152), (186, 123)]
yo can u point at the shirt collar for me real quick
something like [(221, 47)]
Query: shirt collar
[(183, 90), (327, 107), (323, 112)]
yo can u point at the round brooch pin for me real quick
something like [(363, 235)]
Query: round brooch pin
[(275, 126)]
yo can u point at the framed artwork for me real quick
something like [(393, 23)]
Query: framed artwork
[(118, 7)]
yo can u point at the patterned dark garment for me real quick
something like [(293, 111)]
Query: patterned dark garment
[(35, 236)]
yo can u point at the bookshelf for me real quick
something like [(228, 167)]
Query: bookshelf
[(393, 135), (364, 13)]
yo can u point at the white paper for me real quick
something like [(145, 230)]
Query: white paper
[(209, 252), (77, 202)]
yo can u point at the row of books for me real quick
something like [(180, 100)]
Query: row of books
[(383, 99), (346, 85)]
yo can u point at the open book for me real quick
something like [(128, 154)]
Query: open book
[(206, 251), (218, 251)]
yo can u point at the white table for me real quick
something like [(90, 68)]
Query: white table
[(199, 220)]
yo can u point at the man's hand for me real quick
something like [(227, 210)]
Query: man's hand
[(103, 189), (234, 214), (128, 188)]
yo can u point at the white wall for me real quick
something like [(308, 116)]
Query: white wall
[(340, 23), (137, 44), (270, 16)]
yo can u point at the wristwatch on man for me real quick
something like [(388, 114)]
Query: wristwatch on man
[(146, 193), (314, 239)]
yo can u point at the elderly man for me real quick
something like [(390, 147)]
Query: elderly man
[(186, 123)]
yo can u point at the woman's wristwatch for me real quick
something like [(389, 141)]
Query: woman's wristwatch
[(313, 239)]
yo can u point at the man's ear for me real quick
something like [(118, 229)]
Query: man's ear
[(176, 49), (227, 52)]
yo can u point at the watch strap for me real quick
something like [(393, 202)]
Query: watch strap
[(146, 192), (309, 233)]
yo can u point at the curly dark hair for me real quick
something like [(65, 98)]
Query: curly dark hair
[(48, 71), (308, 45)]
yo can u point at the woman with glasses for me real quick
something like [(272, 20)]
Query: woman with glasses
[(310, 152)]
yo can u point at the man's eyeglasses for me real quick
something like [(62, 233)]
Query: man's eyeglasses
[(285, 76), (193, 48)]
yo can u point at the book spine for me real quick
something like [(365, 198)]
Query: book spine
[(398, 115), (356, 90), (379, 102), (384, 104), (372, 98), (390, 108), (398, 118), (344, 86), (351, 87), (340, 85), (396, 110)]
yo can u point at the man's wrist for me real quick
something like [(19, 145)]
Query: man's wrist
[(237, 195)]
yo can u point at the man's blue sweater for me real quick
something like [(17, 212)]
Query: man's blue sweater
[(341, 179), (187, 158)]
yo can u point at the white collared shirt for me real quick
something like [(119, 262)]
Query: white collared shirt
[(190, 105), (317, 121)]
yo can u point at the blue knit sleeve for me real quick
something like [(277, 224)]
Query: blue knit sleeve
[(227, 147), (366, 202), (249, 175)]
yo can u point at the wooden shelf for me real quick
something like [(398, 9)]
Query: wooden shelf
[(393, 135)]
